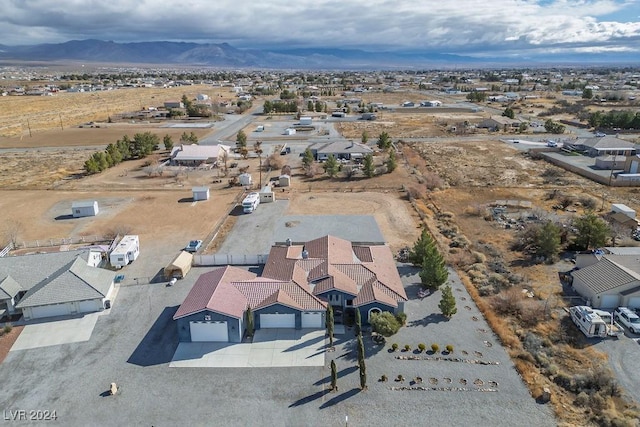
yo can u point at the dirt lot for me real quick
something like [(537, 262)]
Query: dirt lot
[(394, 216), (18, 114)]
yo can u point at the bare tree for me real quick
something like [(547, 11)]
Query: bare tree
[(12, 232)]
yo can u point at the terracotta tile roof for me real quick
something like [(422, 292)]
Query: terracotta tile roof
[(331, 248), (294, 252), (371, 292), (278, 266), (384, 267), (213, 291), (363, 253), (279, 297), (320, 271), (358, 272), (257, 290), (342, 282), (323, 285)]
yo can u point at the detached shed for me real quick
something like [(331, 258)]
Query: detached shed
[(200, 193), (84, 208), (179, 267), (267, 195), (284, 181)]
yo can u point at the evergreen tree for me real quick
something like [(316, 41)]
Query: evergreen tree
[(114, 153), (250, 326), (391, 163), (508, 112), (168, 142), (365, 137), (384, 141), (358, 323), (241, 139), (361, 363), (447, 302), (368, 167), (307, 159), (329, 324), (592, 231), (547, 241), (331, 166), (90, 166), (334, 376), (434, 271)]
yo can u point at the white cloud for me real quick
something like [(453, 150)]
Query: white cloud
[(435, 25)]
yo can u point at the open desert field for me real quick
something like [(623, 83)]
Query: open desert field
[(160, 218), (65, 110)]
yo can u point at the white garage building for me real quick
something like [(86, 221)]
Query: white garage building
[(609, 278), (59, 284)]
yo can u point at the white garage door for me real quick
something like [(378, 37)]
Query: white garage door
[(634, 302), (277, 321), (312, 319), (209, 332), (88, 306), (609, 301), (50, 310)]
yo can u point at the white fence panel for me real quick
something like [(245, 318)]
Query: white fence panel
[(230, 259)]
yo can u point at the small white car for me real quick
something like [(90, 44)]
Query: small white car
[(193, 246), (628, 318)]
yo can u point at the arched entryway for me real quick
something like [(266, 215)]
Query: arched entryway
[(373, 310)]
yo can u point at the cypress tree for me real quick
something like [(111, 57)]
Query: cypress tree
[(334, 376)]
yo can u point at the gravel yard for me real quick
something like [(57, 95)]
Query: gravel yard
[(133, 346)]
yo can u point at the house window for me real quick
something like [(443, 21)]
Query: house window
[(207, 317), (349, 302)]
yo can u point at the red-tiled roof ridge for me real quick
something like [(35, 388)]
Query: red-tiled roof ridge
[(357, 272), (216, 283), (332, 248), (363, 253), (343, 282), (384, 267), (304, 296), (279, 297), (371, 292)]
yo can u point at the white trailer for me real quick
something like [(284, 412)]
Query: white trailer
[(590, 322), (623, 209), (125, 252), (251, 202)]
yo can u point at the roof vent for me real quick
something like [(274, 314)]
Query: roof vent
[(288, 242), (305, 254)]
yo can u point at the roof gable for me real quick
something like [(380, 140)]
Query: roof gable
[(9, 288), (75, 281), (279, 297)]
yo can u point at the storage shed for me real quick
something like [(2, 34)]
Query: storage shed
[(305, 121), (284, 181), (179, 267), (267, 195), (289, 131), (200, 193), (245, 179), (84, 208)]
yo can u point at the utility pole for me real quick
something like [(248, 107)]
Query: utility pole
[(29, 127), (60, 116)]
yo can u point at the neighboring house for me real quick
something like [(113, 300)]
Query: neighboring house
[(340, 150), (298, 281), (173, 104), (605, 145), (195, 155), (608, 280), (55, 284), (498, 123), (430, 104)]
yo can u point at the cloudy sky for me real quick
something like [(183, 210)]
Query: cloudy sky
[(478, 27)]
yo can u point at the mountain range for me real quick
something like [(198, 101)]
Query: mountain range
[(226, 56)]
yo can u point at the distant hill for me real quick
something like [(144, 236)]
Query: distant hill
[(224, 55)]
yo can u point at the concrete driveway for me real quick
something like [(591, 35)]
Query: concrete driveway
[(56, 332), (270, 348)]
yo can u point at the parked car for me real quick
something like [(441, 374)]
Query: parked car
[(172, 281), (628, 318), (193, 246)]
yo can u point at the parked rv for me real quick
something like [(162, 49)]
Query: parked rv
[(126, 252), (592, 322), (251, 202)]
